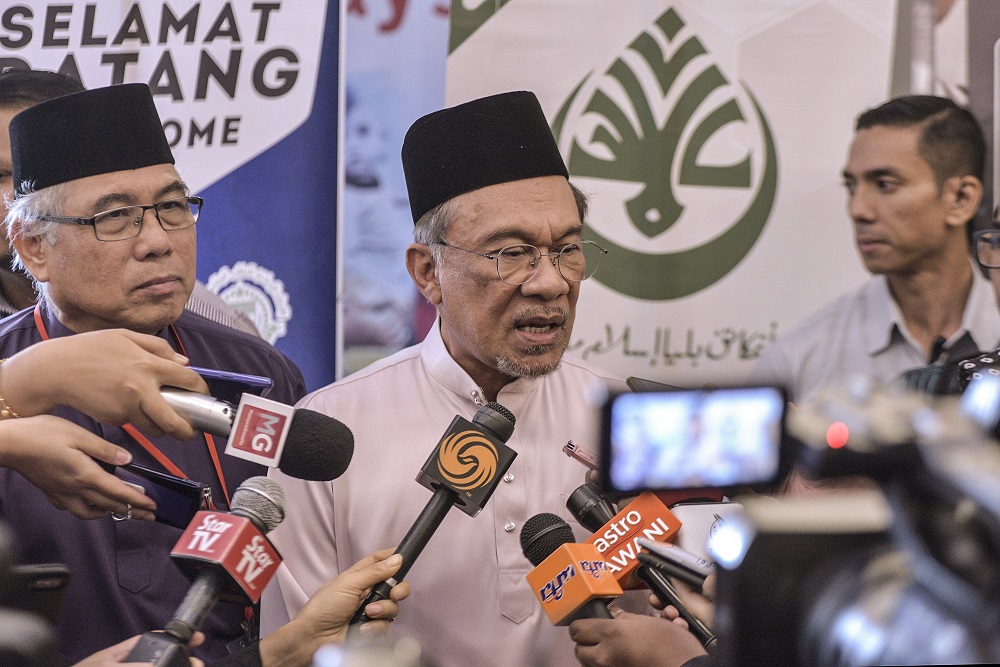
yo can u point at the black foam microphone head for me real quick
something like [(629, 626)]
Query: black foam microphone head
[(589, 508), (542, 534), (496, 419), (319, 448)]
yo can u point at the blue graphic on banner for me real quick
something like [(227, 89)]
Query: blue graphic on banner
[(267, 238)]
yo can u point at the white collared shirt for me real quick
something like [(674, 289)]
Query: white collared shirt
[(863, 333)]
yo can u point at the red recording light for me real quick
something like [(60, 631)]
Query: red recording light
[(837, 435)]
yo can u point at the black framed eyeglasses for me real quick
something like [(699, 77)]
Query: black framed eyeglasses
[(987, 244), (517, 264), (124, 222)]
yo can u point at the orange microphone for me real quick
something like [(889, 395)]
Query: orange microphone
[(570, 580)]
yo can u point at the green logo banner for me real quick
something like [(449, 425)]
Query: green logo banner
[(464, 22), (630, 143)]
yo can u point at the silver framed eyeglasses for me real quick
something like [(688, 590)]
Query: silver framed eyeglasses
[(988, 248), (517, 264), (125, 222)]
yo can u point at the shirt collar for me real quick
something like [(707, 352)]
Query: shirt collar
[(443, 368), (884, 321)]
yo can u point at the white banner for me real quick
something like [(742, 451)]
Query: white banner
[(230, 79), (711, 136)]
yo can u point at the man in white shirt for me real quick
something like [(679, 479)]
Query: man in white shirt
[(500, 253), (914, 183)]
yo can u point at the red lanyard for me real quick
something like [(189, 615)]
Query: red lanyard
[(146, 444)]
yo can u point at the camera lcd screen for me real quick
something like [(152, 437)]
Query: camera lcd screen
[(690, 439)]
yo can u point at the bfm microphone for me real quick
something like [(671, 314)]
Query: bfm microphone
[(302, 443), (464, 470), (570, 580), (645, 518), (227, 556)]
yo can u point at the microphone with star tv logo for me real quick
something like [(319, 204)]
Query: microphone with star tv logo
[(228, 557)]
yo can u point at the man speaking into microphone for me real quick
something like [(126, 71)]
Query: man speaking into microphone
[(106, 227), (499, 251)]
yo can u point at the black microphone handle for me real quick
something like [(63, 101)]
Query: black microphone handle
[(169, 648), (664, 590), (200, 600), (695, 581), (596, 608), (159, 649), (442, 500)]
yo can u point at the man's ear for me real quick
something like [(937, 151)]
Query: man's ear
[(423, 269), (964, 194), (34, 252)]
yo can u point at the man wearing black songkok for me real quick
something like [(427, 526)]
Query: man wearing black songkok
[(106, 227), (500, 252)]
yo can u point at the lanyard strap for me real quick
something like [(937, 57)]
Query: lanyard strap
[(145, 442)]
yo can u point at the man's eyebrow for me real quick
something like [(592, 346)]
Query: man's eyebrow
[(872, 174), (518, 235), (117, 199)]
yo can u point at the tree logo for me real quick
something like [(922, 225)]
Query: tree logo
[(665, 121)]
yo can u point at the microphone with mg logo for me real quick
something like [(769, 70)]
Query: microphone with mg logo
[(464, 471)]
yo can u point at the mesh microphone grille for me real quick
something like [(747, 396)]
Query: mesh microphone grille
[(497, 419), (542, 534), (261, 500), (319, 448)]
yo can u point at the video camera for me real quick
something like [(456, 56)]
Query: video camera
[(904, 569)]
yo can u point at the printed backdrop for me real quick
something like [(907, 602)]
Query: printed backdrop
[(711, 136)]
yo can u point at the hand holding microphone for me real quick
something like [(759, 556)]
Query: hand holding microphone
[(570, 580), (113, 376), (226, 554), (618, 541)]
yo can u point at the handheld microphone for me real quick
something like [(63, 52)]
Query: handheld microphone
[(463, 470), (570, 580), (681, 557), (590, 508), (302, 443), (617, 539), (690, 577), (618, 542), (227, 556)]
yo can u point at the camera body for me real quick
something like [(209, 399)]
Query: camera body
[(905, 571)]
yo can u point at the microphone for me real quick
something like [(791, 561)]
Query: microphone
[(673, 569), (302, 443), (617, 539), (227, 556), (463, 470), (590, 508), (570, 580), (645, 519)]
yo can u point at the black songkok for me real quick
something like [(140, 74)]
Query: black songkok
[(496, 139), (97, 131)]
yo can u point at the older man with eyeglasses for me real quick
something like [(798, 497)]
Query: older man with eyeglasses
[(106, 227), (499, 251)]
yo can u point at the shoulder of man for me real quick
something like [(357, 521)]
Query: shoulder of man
[(213, 345), (17, 332), (210, 305)]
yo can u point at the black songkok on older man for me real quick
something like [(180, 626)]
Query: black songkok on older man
[(496, 139), (97, 131)]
